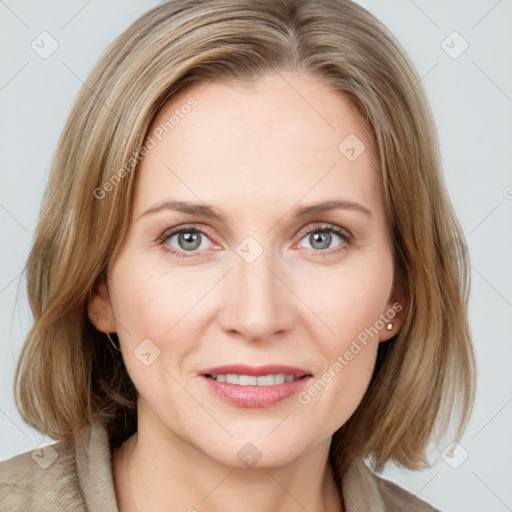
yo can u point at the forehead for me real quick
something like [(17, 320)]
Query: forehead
[(267, 142)]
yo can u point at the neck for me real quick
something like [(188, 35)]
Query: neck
[(157, 470)]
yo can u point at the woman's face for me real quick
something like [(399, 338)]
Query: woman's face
[(267, 280)]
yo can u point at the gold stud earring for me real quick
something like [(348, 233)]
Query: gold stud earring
[(112, 343), (389, 326)]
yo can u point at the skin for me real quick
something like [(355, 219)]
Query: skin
[(255, 152)]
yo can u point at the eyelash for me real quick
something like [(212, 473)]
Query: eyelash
[(345, 235), (164, 237)]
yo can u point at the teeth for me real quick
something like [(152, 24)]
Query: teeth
[(266, 380), (280, 378), (247, 380), (232, 378), (251, 380)]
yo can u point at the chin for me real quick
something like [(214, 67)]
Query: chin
[(241, 452)]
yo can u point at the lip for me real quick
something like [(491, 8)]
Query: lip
[(256, 371), (255, 396)]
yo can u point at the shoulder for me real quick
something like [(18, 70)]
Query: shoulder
[(40, 479), (395, 496), (364, 490)]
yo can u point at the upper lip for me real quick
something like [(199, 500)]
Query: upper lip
[(257, 371)]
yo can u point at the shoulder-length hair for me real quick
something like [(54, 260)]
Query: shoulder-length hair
[(68, 375)]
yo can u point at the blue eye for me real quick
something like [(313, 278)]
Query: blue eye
[(320, 239), (321, 236), (186, 240)]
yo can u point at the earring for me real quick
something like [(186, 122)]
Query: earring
[(389, 326), (111, 342)]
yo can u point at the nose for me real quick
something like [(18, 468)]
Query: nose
[(257, 303)]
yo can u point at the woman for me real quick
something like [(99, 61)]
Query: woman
[(247, 277)]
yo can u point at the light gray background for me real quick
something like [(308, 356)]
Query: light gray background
[(471, 96)]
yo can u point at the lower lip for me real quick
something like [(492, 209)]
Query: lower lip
[(255, 396)]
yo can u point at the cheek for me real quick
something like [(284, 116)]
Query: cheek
[(140, 304), (347, 301), (163, 306), (153, 311), (150, 302), (350, 302)]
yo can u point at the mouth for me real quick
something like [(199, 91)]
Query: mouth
[(252, 380), (246, 386), (266, 375)]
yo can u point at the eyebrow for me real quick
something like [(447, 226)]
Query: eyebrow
[(185, 207), (332, 205), (211, 212)]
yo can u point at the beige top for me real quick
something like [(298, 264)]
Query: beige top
[(78, 478)]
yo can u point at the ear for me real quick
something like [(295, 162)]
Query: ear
[(99, 309), (394, 314)]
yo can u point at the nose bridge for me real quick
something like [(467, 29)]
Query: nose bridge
[(258, 303)]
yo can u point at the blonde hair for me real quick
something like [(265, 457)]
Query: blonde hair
[(68, 374)]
